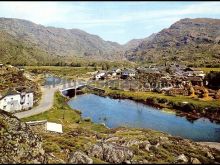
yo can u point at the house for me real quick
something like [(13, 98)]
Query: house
[(15, 101), (128, 73), (1, 65), (116, 70), (45, 126), (100, 75)]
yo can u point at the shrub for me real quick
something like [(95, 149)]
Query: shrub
[(162, 100), (51, 147)]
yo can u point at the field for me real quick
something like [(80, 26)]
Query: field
[(61, 71), (207, 70)]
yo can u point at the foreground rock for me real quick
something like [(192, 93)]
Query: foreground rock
[(18, 143), (110, 152), (79, 157)]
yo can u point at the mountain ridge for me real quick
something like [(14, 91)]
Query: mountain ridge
[(184, 40)]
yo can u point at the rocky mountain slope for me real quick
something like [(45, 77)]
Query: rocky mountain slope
[(17, 52), (196, 40), (60, 41)]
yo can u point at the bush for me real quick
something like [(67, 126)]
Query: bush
[(51, 147), (151, 100), (162, 100), (188, 107)]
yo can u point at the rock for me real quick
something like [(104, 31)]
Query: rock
[(154, 147), (79, 157), (111, 152), (96, 151), (209, 155), (163, 138), (131, 143), (18, 143), (145, 145), (127, 162), (145, 161), (112, 139), (182, 158), (195, 161)]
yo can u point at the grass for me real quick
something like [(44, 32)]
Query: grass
[(175, 99), (207, 70), (72, 118), (61, 71)]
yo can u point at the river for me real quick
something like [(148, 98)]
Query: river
[(116, 112)]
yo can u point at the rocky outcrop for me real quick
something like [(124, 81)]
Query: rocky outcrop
[(110, 152), (18, 143), (79, 157), (182, 158)]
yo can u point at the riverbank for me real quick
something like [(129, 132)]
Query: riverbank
[(192, 109), (124, 144)]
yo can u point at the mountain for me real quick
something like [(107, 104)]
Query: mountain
[(188, 40), (191, 41), (17, 52), (60, 41)]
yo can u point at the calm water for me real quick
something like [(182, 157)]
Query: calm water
[(52, 80), (115, 112)]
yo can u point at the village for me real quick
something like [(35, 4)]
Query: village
[(169, 79), (173, 79)]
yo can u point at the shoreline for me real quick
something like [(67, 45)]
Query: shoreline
[(190, 115), (208, 143)]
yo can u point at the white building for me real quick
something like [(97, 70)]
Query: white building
[(17, 101), (128, 73), (99, 75), (44, 125)]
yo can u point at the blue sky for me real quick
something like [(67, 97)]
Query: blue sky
[(113, 21)]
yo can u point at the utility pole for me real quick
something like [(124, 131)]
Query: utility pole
[(75, 90)]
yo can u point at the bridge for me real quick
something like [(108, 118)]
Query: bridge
[(80, 86)]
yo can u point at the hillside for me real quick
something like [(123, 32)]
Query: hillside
[(12, 78), (17, 52), (60, 41), (187, 40), (191, 41)]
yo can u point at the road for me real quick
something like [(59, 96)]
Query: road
[(45, 103)]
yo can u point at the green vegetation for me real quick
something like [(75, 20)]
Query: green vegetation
[(175, 99), (64, 71), (213, 78), (207, 70)]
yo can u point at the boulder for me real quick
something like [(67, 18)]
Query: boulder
[(111, 152), (209, 155), (79, 157), (195, 161), (145, 145), (182, 158)]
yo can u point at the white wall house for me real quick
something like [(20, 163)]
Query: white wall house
[(128, 73), (99, 75), (17, 101)]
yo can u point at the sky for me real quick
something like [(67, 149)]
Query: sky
[(118, 21)]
